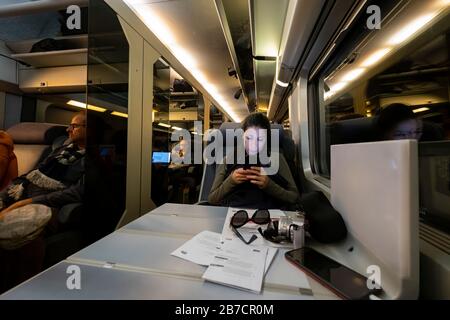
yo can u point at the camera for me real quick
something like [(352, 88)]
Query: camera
[(286, 230), (286, 226)]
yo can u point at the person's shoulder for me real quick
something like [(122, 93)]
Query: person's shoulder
[(277, 154), (279, 158), (6, 140)]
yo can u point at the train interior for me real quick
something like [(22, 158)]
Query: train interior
[(321, 71)]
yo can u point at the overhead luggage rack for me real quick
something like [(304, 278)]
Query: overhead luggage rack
[(59, 58)]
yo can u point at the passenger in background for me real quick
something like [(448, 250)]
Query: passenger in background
[(58, 179), (8, 160), (180, 174), (396, 122), (237, 185), (180, 151)]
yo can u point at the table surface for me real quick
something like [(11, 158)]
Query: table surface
[(134, 262)]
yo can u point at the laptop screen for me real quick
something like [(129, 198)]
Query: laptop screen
[(161, 157)]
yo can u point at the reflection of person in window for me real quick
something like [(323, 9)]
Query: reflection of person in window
[(397, 122), (58, 179), (242, 185), (180, 152)]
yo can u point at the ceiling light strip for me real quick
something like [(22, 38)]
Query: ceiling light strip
[(164, 34), (397, 39)]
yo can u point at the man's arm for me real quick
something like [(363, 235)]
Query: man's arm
[(58, 199)]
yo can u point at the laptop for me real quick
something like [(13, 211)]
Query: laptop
[(161, 157)]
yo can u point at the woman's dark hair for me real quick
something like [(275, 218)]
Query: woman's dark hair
[(391, 116), (258, 120)]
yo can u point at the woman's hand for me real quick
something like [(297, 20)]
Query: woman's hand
[(16, 205), (239, 176), (255, 177)]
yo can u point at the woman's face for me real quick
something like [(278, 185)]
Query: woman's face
[(254, 140), (408, 129)]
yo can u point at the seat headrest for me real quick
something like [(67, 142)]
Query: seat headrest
[(432, 132), (366, 130), (229, 125), (353, 131), (237, 125), (36, 133)]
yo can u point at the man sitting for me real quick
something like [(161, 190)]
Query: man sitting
[(58, 179)]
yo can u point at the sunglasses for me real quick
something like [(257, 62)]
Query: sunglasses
[(240, 218)]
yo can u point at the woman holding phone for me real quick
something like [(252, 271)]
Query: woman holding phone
[(250, 186)]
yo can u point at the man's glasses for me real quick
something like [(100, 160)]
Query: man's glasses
[(240, 218), (75, 125)]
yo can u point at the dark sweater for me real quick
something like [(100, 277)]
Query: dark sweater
[(224, 185)]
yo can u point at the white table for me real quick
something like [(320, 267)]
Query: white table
[(134, 262)]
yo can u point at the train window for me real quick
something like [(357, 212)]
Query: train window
[(107, 119), (177, 107), (375, 79)]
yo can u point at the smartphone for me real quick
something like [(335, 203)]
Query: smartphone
[(343, 281)]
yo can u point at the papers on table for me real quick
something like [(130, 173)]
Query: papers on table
[(231, 261), (200, 249), (239, 266)]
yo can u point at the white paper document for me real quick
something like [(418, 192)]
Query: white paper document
[(240, 272), (200, 249), (238, 265)]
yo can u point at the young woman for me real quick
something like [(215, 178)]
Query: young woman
[(248, 186)]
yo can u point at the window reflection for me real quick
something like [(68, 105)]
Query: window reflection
[(107, 111), (406, 96), (177, 105)]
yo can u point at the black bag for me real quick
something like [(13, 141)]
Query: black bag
[(181, 85), (325, 224), (47, 44)]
